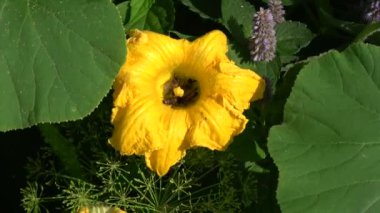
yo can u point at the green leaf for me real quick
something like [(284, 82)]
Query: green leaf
[(206, 9), (181, 35), (274, 110), (374, 38), (254, 167), (237, 17), (155, 15), (63, 148), (125, 11), (368, 30), (333, 26), (139, 10), (245, 146), (271, 70), (292, 37), (327, 149), (290, 2), (161, 16), (58, 59)]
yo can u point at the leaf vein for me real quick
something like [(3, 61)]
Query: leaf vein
[(79, 35), (331, 189)]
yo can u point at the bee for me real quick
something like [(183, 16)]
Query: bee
[(191, 92), (169, 96), (171, 101)]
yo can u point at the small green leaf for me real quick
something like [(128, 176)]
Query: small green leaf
[(206, 9), (254, 167), (274, 110), (155, 15), (290, 2), (292, 37), (327, 149), (63, 148), (237, 17), (333, 26), (139, 14), (58, 59), (368, 30), (125, 11), (244, 145), (271, 70), (161, 16), (181, 35)]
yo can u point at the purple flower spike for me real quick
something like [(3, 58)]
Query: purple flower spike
[(277, 9), (262, 44), (372, 12)]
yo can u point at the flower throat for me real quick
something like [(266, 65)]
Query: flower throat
[(180, 92)]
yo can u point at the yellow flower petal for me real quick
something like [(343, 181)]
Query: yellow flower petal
[(215, 122), (156, 50), (208, 50), (175, 124), (238, 86), (134, 133), (221, 117)]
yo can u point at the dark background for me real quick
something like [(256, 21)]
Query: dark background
[(15, 148)]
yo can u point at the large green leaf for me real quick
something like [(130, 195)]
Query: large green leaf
[(327, 149), (57, 59)]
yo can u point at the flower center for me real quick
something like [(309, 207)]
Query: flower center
[(180, 92)]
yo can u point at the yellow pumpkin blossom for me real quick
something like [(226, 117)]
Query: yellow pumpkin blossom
[(172, 95), (98, 209)]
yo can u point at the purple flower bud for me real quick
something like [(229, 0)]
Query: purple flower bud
[(372, 11), (278, 12), (262, 44)]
